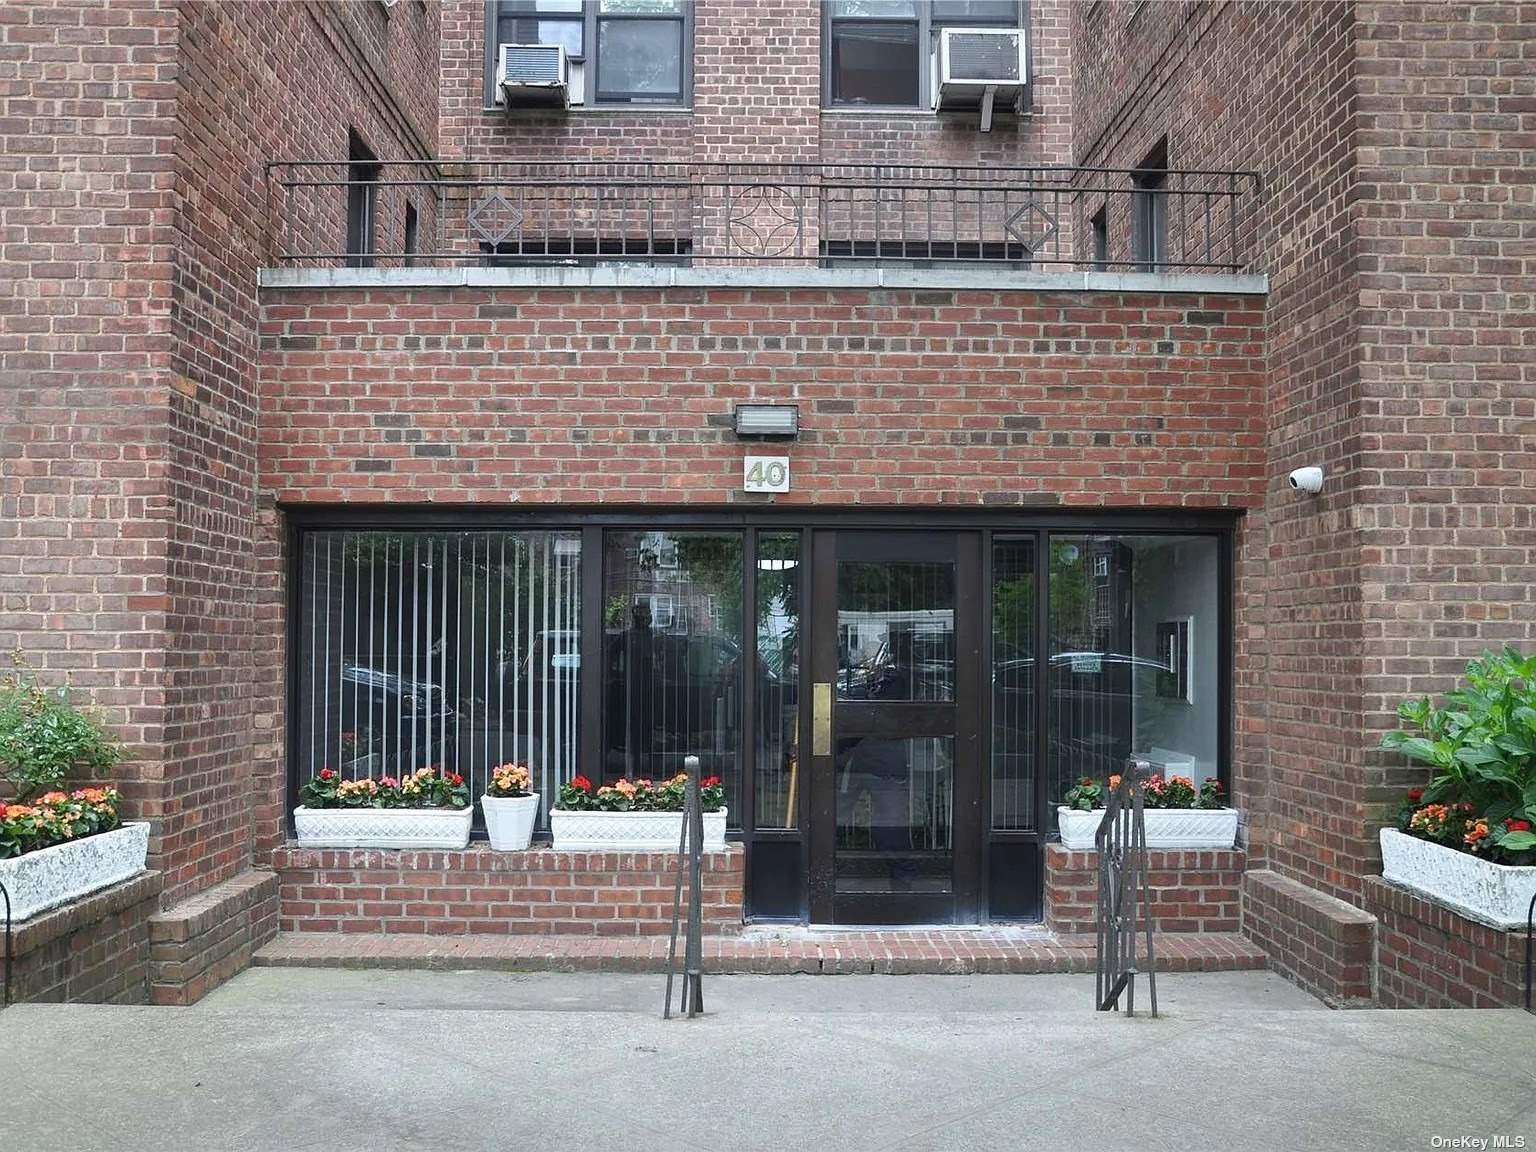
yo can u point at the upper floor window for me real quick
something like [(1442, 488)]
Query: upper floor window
[(1149, 218), (880, 53), (619, 51), (362, 201)]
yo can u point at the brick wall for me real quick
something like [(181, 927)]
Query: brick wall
[(1387, 135), (757, 97), (1042, 136), (245, 98), (470, 130), (92, 951), (1430, 957), (1446, 221), (499, 893), (968, 398), (87, 136), (136, 136), (1392, 360), (1321, 942), (1190, 891), (208, 938), (1270, 87)]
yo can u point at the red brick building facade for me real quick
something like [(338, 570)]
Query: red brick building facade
[(212, 377)]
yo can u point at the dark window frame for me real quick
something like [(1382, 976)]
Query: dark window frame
[(927, 28), (363, 170), (1149, 210), (590, 58), (1098, 228), (591, 521), (412, 239)]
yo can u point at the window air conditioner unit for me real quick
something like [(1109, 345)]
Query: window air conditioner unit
[(534, 76), (978, 66)]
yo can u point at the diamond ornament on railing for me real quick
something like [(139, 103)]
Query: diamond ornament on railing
[(1031, 225), (494, 218)]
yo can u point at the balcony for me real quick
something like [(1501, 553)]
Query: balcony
[(984, 224)]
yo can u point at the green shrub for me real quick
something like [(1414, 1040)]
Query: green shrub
[(44, 738), (1481, 745)]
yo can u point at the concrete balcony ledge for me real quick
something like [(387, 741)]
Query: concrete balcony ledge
[(748, 276)]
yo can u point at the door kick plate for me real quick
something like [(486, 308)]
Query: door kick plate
[(821, 719)]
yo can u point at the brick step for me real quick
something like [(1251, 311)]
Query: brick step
[(759, 951)]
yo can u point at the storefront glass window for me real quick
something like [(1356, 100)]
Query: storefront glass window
[(452, 650), (1013, 685), (672, 618), (778, 680), (1134, 658)]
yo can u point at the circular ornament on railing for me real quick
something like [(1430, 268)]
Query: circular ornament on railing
[(764, 220)]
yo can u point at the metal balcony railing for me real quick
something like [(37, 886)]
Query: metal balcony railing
[(409, 213)]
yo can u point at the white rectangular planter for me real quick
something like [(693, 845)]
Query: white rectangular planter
[(383, 827), (629, 831), (52, 876), (1497, 894), (1166, 827)]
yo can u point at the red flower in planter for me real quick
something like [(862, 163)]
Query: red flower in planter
[(710, 782), (457, 779), (1518, 825), (327, 774), (583, 784), (1415, 795)]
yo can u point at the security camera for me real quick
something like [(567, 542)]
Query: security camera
[(1307, 479)]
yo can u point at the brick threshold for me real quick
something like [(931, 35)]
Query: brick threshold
[(755, 952)]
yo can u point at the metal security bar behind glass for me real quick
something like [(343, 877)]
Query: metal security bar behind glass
[(519, 214), (459, 650)]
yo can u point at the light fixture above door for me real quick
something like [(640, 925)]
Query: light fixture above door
[(771, 421)]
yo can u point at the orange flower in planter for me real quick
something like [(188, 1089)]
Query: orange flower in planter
[(510, 779)]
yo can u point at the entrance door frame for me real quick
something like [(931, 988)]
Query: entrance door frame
[(958, 717), (1003, 853)]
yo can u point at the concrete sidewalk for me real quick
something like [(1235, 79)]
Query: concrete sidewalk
[(335, 1061)]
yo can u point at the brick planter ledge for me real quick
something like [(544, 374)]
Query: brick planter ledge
[(478, 891), (757, 950)]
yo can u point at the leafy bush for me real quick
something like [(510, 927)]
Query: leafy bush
[(44, 738), (1481, 745)]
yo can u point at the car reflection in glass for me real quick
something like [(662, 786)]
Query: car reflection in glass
[(392, 724), (907, 664), (1091, 708)]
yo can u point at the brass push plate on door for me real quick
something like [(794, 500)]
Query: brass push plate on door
[(821, 718)]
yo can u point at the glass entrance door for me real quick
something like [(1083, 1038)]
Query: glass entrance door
[(894, 705)]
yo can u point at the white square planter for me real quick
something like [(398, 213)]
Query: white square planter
[(1497, 894), (52, 876), (629, 831), (1166, 827), (383, 827), (509, 820)]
